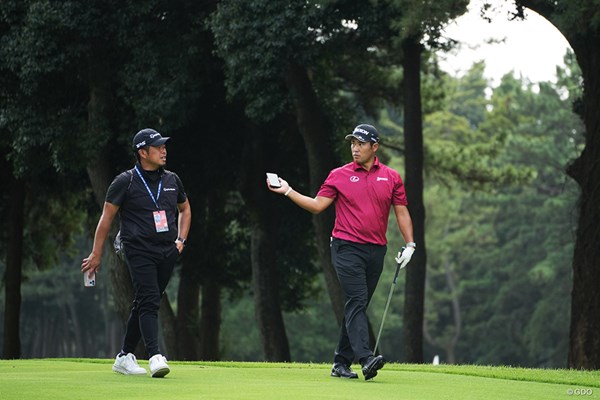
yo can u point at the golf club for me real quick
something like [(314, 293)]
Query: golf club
[(387, 305)]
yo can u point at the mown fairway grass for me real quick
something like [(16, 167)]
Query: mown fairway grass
[(93, 379)]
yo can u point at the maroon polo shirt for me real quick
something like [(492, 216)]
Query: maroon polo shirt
[(363, 200)]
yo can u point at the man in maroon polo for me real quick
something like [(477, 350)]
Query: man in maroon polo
[(363, 192)]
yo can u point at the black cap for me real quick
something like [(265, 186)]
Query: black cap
[(148, 137), (364, 133)]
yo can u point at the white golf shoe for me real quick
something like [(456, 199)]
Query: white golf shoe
[(158, 366), (128, 365)]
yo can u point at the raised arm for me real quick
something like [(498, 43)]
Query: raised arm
[(314, 205)]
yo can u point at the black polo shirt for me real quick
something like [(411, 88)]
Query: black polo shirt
[(136, 207)]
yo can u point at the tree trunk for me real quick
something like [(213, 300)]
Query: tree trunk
[(584, 343), (13, 273), (265, 276), (76, 326), (450, 354), (99, 115), (188, 316), (448, 344), (266, 296), (99, 171), (100, 174), (168, 324), (450, 348), (413, 139), (210, 322), (314, 127)]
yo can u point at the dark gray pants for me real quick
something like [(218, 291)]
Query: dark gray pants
[(150, 274), (358, 268)]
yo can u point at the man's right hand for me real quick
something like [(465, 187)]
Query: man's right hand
[(91, 264), (281, 190)]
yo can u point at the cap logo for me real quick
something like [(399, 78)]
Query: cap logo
[(153, 135), (140, 144), (361, 131)]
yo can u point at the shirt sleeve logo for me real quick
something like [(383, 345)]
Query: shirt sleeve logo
[(354, 178), (379, 178)]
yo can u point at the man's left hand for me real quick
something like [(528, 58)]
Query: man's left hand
[(404, 256)]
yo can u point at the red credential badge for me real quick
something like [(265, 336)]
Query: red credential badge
[(160, 221)]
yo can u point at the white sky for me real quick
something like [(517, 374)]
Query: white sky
[(532, 48)]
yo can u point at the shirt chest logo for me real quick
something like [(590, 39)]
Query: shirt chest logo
[(354, 178), (379, 178)]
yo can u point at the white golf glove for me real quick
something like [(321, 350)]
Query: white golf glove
[(405, 256)]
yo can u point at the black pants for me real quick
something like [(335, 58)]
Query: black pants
[(150, 274), (358, 268)]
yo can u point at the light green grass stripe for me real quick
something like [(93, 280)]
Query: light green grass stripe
[(59, 379), (558, 376)]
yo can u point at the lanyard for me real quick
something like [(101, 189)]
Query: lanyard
[(148, 189)]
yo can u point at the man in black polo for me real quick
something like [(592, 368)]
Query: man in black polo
[(155, 220)]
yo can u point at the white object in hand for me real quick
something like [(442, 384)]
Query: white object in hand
[(89, 281)]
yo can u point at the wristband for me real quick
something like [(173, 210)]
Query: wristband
[(288, 191), (411, 244)]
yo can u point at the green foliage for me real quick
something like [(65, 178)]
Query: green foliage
[(427, 18), (347, 47), (239, 331), (167, 64), (62, 318), (510, 247), (43, 102), (311, 328), (499, 227), (467, 95), (51, 226), (465, 155), (258, 40)]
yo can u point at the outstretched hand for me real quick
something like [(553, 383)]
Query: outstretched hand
[(281, 190)]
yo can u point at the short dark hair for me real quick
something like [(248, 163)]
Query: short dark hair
[(137, 154)]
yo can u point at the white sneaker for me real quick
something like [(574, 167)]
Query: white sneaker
[(128, 365), (158, 366)]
